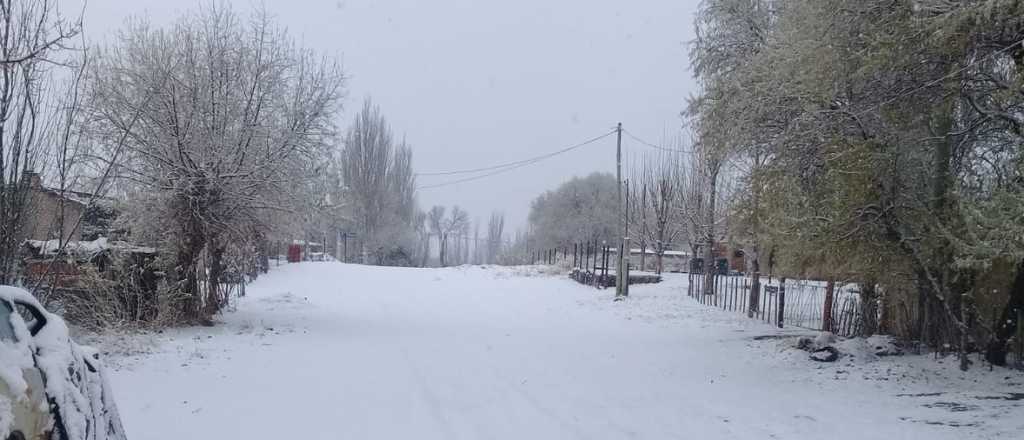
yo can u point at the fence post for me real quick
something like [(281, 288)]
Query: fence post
[(593, 264), (782, 300), (826, 317)]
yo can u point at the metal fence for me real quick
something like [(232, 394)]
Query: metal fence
[(812, 305)]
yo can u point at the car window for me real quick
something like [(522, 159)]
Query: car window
[(6, 328), (33, 320), (26, 315)]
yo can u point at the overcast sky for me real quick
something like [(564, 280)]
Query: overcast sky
[(472, 83)]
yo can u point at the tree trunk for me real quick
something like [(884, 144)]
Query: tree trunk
[(924, 301), (830, 299), (709, 235), (1008, 322), (755, 286), (188, 256), (643, 255), (868, 308), (214, 302), (442, 244)]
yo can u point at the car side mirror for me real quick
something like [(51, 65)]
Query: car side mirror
[(33, 317)]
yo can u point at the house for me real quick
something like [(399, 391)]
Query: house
[(43, 219)]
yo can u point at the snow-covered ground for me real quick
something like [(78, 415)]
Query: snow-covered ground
[(332, 351)]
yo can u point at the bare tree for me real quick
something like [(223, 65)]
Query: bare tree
[(495, 234), (34, 44), (436, 221), (659, 202), (453, 228), (456, 225)]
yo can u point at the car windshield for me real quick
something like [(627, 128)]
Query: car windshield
[(6, 328)]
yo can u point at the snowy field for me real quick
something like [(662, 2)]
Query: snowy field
[(332, 351)]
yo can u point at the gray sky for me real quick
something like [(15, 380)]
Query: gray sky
[(475, 83)]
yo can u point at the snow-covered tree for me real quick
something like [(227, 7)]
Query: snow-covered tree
[(379, 180), (495, 237), (220, 114), (877, 142), (448, 230), (580, 210)]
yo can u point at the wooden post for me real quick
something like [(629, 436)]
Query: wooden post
[(593, 252), (764, 305), (782, 301), (826, 316)]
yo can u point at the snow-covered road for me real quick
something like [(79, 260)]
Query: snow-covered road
[(331, 351)]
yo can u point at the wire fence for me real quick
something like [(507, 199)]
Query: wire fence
[(812, 305)]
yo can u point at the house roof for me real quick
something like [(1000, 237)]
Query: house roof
[(77, 197), (88, 248)]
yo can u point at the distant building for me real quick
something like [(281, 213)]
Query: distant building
[(726, 260), (672, 261)]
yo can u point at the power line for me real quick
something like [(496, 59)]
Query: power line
[(518, 162), (656, 147), (509, 166), (470, 179)]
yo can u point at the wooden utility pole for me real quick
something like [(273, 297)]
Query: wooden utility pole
[(626, 248), (620, 282)]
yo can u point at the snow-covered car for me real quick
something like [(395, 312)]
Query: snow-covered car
[(50, 387)]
